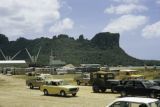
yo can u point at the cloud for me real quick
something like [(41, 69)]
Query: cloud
[(125, 9), (125, 23), (19, 17), (158, 1), (126, 1), (61, 26), (151, 31)]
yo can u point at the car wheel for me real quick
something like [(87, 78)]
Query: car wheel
[(152, 95), (123, 93), (112, 90), (31, 86), (63, 94), (74, 94), (45, 92), (95, 89)]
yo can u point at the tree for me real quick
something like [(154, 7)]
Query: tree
[(81, 38), (3, 39)]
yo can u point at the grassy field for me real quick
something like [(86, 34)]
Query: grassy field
[(14, 93), (67, 77), (148, 74)]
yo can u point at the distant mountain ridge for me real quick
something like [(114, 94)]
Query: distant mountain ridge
[(103, 49)]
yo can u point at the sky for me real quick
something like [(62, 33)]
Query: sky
[(137, 21)]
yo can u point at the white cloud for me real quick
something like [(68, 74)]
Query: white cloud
[(22, 16), (151, 31), (125, 23), (158, 1), (125, 9), (61, 26), (127, 1)]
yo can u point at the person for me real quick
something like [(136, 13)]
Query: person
[(143, 105)]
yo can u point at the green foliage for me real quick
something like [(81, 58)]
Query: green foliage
[(102, 49), (3, 39)]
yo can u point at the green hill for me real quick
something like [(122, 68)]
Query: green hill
[(103, 48)]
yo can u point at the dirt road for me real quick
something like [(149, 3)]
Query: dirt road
[(14, 93)]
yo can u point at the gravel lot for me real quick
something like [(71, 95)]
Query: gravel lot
[(14, 93)]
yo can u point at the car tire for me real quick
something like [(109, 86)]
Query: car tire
[(78, 83), (123, 93), (95, 89), (45, 92), (74, 94), (112, 90), (31, 86), (62, 93)]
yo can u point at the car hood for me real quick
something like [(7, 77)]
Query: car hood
[(68, 86)]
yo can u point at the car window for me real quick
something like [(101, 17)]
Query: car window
[(155, 104), (129, 83), (147, 84), (138, 105), (120, 104), (86, 76), (63, 83), (139, 84), (129, 104), (101, 76), (110, 76), (47, 83), (54, 83)]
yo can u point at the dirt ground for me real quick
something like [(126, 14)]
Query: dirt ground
[(15, 93)]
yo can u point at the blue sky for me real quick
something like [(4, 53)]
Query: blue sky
[(137, 21)]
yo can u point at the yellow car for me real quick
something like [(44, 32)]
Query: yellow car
[(59, 87)]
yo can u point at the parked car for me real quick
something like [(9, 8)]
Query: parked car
[(135, 102), (84, 78), (101, 81), (37, 81), (138, 87), (59, 87)]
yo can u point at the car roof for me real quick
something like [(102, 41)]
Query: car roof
[(137, 99)]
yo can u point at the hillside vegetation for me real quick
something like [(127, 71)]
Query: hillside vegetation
[(103, 49)]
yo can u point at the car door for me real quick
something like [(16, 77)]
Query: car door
[(53, 87), (39, 82), (129, 87), (139, 88)]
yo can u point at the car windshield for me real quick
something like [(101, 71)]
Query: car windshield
[(147, 83), (155, 104), (86, 76)]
